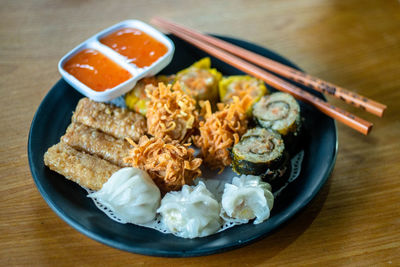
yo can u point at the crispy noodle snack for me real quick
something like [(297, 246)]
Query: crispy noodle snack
[(171, 114), (221, 130), (170, 165)]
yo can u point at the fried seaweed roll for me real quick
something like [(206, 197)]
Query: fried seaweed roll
[(240, 86), (279, 112), (258, 151), (200, 81), (262, 152), (277, 177)]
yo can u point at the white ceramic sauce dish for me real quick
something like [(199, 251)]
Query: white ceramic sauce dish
[(136, 72)]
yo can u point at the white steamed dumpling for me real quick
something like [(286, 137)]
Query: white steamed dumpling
[(247, 198), (131, 194), (191, 212)]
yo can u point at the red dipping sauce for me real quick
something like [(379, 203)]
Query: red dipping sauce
[(95, 70), (138, 47)]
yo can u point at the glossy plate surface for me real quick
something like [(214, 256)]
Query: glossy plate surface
[(69, 200)]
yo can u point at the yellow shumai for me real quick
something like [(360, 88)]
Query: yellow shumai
[(200, 80), (241, 86), (137, 100)]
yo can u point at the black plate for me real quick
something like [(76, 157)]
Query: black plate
[(69, 200)]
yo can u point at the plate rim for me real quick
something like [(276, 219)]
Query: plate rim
[(163, 253)]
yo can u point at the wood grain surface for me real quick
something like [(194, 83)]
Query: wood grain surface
[(354, 220)]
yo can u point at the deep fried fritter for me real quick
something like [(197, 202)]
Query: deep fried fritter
[(115, 121), (86, 170), (92, 141)]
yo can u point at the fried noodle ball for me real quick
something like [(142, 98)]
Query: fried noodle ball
[(170, 165), (221, 130), (171, 114)]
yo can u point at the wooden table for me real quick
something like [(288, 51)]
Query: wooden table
[(354, 220)]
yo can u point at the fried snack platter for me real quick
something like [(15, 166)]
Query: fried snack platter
[(103, 146)]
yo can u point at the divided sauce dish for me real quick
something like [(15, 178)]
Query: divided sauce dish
[(135, 73)]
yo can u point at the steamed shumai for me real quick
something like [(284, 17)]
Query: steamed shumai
[(191, 212), (131, 194), (247, 198)]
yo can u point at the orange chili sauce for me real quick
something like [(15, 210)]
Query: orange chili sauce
[(96, 70), (138, 47)]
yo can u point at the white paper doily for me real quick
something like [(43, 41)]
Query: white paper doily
[(216, 186)]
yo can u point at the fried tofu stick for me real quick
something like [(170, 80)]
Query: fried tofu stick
[(92, 141), (115, 121), (86, 170)]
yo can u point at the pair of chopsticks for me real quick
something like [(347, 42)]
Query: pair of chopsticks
[(239, 57)]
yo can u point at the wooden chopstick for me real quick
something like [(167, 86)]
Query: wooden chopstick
[(334, 112), (349, 97)]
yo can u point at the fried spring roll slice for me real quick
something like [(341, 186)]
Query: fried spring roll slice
[(115, 121), (82, 137), (86, 170)]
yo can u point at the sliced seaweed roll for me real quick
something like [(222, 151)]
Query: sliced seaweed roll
[(258, 151), (277, 177), (262, 152), (279, 112)]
